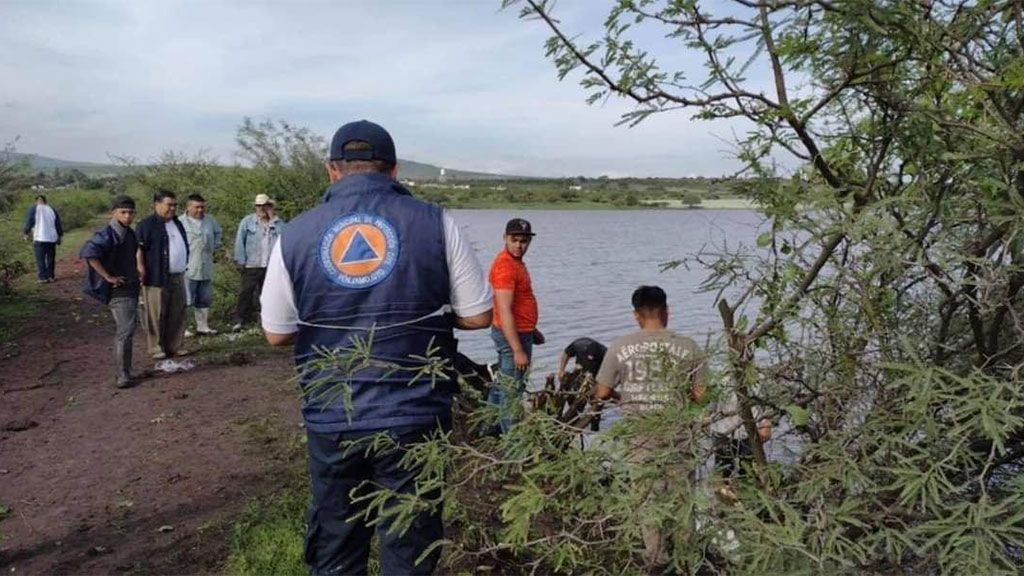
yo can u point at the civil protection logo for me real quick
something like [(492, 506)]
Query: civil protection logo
[(358, 250)]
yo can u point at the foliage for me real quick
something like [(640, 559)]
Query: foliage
[(876, 322)]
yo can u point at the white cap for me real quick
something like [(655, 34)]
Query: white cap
[(262, 199)]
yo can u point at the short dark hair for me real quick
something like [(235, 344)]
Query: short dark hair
[(648, 299), (196, 197), (346, 167), (122, 201), (41, 197), (161, 194)]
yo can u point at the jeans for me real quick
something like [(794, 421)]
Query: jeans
[(46, 258), (509, 388), (252, 286), (337, 545), (199, 293), (125, 311)]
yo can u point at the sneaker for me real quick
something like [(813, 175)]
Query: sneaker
[(159, 356), (42, 281), (189, 334), (237, 327), (180, 353), (52, 279), (122, 384), (208, 332)]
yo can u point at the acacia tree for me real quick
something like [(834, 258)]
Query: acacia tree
[(878, 321)]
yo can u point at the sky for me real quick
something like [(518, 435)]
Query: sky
[(459, 83)]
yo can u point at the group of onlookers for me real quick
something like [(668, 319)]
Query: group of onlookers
[(163, 267)]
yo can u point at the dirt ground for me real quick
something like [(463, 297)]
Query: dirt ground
[(101, 480)]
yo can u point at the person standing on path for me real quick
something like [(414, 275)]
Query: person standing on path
[(162, 261), (515, 319), (257, 234), (113, 279), (43, 227), (204, 238), (371, 267)]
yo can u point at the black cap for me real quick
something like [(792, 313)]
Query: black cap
[(382, 147), (518, 227), (122, 201)]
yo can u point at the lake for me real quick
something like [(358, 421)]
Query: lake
[(585, 265)]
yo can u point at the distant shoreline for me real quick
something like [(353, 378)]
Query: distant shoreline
[(707, 204)]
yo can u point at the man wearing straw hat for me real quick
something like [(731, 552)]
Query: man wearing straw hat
[(256, 235)]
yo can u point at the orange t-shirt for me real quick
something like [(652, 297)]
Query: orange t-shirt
[(508, 273)]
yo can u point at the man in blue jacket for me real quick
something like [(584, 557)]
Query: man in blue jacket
[(374, 265), (257, 234), (42, 226), (113, 279)]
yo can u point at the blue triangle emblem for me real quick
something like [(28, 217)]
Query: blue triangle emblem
[(359, 250)]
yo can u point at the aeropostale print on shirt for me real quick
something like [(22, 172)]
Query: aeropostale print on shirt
[(644, 367)]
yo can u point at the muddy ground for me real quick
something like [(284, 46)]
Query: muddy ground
[(148, 479)]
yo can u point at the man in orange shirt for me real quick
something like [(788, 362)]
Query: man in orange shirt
[(514, 329)]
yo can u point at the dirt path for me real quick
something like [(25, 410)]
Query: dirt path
[(100, 480)]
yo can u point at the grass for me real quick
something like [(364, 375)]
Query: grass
[(269, 537)]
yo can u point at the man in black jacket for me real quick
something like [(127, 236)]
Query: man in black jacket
[(162, 260), (113, 280)]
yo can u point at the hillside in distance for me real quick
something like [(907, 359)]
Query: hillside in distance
[(407, 169)]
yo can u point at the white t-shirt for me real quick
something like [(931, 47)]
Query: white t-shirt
[(470, 291), (176, 250), (45, 229)]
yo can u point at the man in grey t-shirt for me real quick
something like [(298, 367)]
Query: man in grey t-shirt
[(638, 367), (642, 370)]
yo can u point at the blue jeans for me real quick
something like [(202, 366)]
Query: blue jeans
[(336, 545), (501, 394), (46, 258), (199, 293)]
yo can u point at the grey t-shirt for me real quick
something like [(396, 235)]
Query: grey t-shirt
[(640, 365)]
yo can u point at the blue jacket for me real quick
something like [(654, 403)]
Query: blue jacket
[(117, 256), (30, 220), (371, 256), (152, 236), (248, 248)]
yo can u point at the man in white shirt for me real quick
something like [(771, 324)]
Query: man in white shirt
[(42, 226), (371, 265), (162, 261)]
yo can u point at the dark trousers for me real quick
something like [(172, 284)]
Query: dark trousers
[(46, 258), (336, 545), (252, 286)]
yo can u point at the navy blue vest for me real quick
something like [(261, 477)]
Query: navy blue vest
[(370, 257)]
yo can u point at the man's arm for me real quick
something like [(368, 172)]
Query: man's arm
[(30, 221), (470, 294), (563, 361), (218, 233), (278, 313), (58, 226), (607, 377), (475, 322), (96, 265), (240, 243), (503, 302)]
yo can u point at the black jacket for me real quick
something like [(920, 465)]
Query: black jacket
[(154, 244)]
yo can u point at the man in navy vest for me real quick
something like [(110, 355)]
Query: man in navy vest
[(370, 264)]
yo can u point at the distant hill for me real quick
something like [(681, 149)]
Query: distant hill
[(407, 169), (46, 163)]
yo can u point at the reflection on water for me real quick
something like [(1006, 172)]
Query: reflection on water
[(586, 264)]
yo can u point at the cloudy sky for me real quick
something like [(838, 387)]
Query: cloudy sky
[(459, 83)]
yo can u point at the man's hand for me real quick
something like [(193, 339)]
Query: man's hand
[(521, 360), (27, 237), (142, 275), (116, 281), (538, 337), (59, 239)]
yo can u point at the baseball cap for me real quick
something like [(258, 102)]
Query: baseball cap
[(382, 147), (519, 227), (262, 199)]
